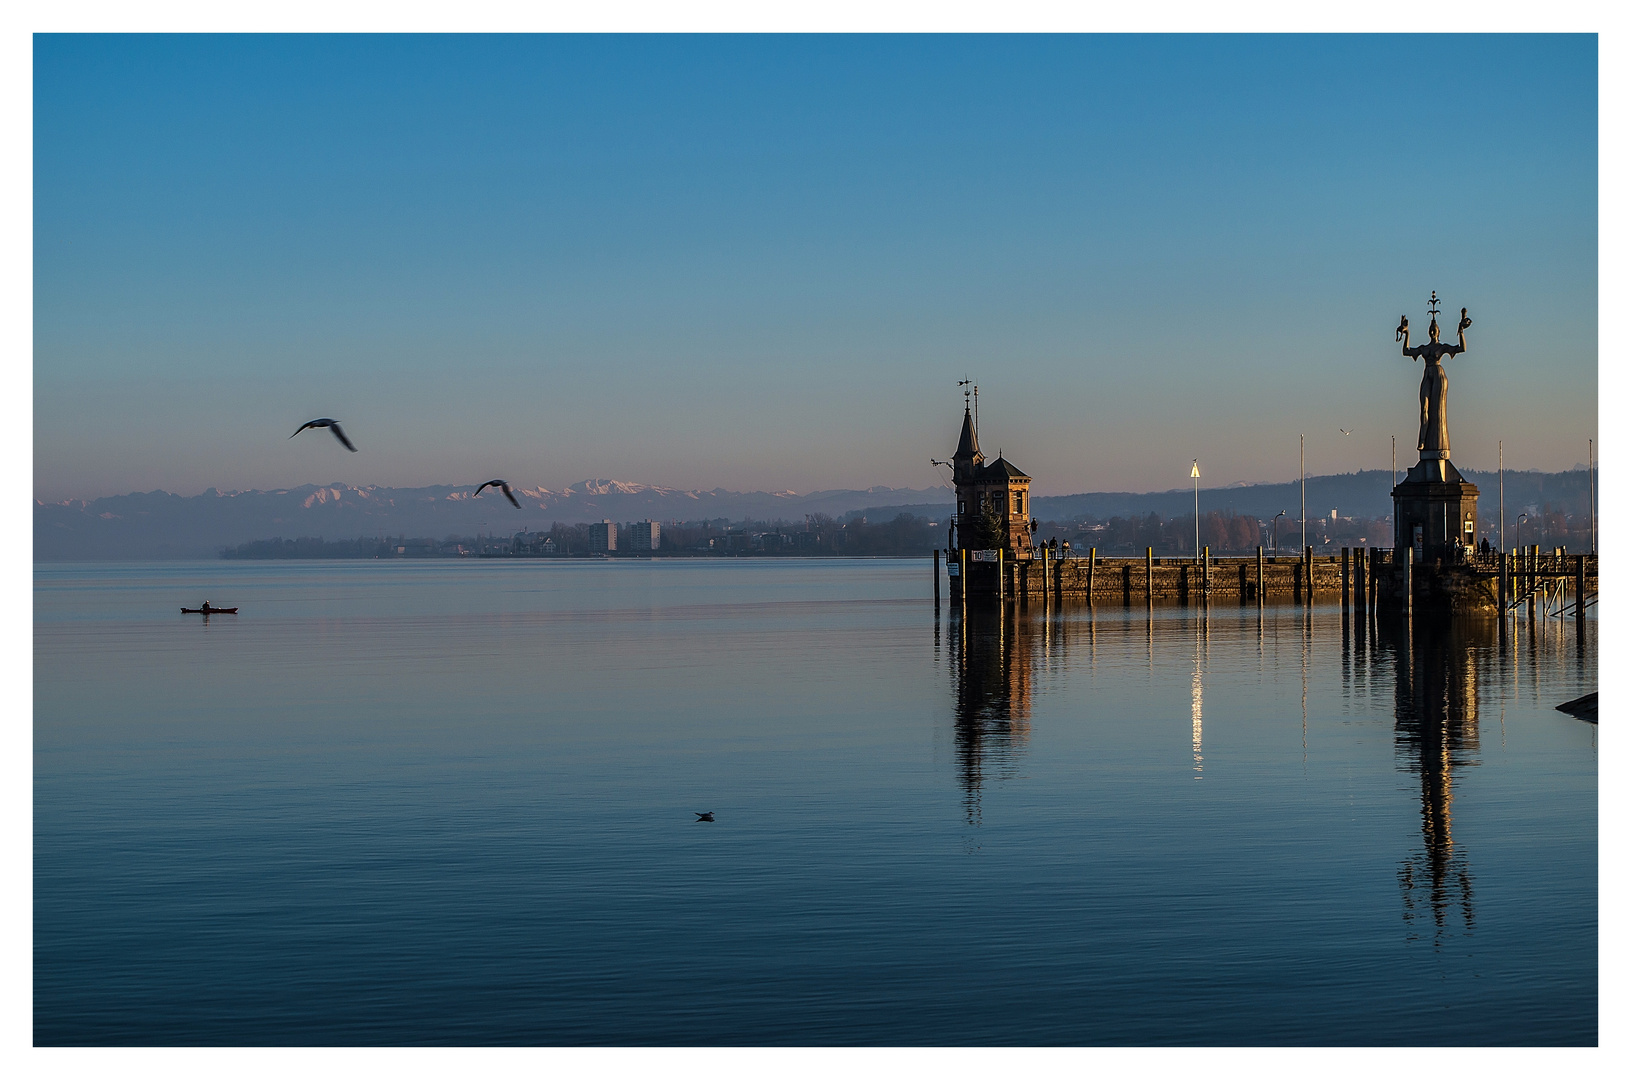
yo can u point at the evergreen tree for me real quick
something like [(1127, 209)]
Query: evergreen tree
[(986, 528)]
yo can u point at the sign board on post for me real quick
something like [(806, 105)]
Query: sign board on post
[(988, 555), (952, 569)]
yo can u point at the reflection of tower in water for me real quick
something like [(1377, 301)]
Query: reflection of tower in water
[(1436, 732), (998, 649)]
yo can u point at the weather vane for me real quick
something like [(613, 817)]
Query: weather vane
[(965, 384)]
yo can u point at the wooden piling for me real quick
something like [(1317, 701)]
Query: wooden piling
[(1409, 560), (1580, 596), (1260, 574), (1345, 580), (1092, 557), (1149, 575), (1206, 571), (1308, 573), (937, 579)]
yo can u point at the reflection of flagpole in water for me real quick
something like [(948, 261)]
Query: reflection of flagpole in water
[(1195, 690), (1307, 631)]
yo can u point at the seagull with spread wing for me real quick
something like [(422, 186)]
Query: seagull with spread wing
[(332, 425), (502, 485)]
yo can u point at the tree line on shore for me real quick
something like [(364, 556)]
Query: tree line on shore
[(906, 534)]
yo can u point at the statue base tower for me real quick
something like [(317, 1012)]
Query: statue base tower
[(1435, 512)]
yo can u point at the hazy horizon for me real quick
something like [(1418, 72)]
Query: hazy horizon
[(763, 263), (576, 485)]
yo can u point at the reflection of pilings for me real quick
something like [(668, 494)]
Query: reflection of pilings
[(1347, 654)]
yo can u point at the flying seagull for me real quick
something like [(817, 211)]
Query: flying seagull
[(502, 485), (1345, 431), (709, 816), (332, 425)]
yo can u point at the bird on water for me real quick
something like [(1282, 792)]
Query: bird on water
[(502, 485), (709, 816), (332, 425)]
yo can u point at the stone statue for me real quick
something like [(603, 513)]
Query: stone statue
[(1434, 437)]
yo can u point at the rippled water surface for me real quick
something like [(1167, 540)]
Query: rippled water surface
[(454, 802)]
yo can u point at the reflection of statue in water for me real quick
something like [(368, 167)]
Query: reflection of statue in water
[(994, 657), (1436, 732), (1434, 435)]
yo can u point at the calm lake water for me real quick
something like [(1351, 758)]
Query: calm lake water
[(455, 802)]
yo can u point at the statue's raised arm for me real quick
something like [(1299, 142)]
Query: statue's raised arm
[(1403, 333), (1461, 331)]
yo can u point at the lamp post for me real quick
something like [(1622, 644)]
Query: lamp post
[(1500, 472), (1277, 518), (1591, 478), (1520, 530), (1195, 472)]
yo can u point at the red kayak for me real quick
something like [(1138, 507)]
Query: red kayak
[(209, 611)]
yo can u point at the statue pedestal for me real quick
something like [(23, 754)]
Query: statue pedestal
[(1434, 510)]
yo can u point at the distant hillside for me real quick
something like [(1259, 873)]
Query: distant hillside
[(1361, 494), (159, 525)]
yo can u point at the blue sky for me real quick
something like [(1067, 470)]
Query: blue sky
[(764, 262)]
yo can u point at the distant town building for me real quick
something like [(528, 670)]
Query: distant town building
[(645, 536), (533, 543), (603, 536)]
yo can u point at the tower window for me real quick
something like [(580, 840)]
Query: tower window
[(1019, 502)]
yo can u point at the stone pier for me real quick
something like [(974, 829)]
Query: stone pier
[(1141, 580)]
